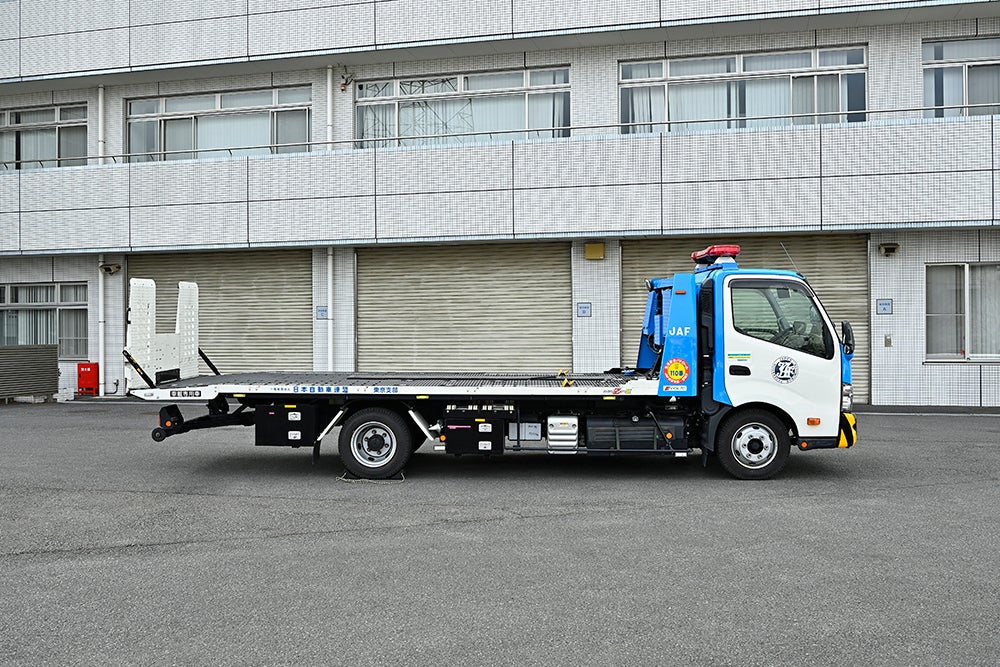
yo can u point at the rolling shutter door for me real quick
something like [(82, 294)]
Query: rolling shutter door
[(498, 307), (255, 307), (835, 265)]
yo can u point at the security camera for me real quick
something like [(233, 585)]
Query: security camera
[(110, 269), (888, 248)]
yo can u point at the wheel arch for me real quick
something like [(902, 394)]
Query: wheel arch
[(716, 420)]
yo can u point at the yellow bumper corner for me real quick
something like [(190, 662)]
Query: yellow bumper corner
[(848, 430)]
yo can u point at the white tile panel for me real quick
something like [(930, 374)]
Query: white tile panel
[(75, 52), (320, 220), (10, 59), (312, 176), (209, 39), (10, 21), (348, 26), (597, 338), (615, 160), (738, 155), (263, 6), (340, 309), (188, 225), (443, 214), (991, 385), (740, 43), (403, 21), (155, 11), (26, 269), (686, 10), (534, 16), (753, 206), (78, 188), (10, 237), (470, 169), (214, 84), (476, 63), (50, 17), (42, 98), (188, 182), (605, 209), (10, 188), (74, 229), (917, 146), (902, 199)]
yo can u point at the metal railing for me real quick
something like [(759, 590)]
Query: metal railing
[(456, 139)]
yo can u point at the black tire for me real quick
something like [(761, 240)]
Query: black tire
[(158, 434), (375, 443), (753, 444)]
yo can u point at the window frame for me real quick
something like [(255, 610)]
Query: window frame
[(161, 116), (396, 97), (963, 355), (8, 126), (57, 305), (962, 109), (738, 76), (761, 287)]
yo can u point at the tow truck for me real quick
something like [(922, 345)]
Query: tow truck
[(739, 363)]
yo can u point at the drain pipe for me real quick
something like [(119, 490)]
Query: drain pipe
[(329, 308), (329, 107), (100, 326), (101, 152)]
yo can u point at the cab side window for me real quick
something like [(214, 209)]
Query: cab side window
[(783, 313)]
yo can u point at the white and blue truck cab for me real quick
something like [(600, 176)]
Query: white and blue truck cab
[(737, 362)]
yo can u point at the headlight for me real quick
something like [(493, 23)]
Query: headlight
[(846, 397)]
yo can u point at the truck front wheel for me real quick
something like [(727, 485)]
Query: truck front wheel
[(753, 444), (375, 443)]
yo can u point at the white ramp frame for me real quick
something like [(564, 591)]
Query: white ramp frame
[(176, 351)]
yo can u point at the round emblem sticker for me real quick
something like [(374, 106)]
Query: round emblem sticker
[(784, 370), (676, 371)]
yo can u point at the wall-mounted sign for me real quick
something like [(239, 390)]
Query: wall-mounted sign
[(883, 306), (583, 309)]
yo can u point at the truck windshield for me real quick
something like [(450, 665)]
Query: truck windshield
[(780, 312)]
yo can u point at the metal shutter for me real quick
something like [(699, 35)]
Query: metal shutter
[(465, 307), (255, 307), (835, 264)]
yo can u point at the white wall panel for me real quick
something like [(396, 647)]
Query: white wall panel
[(10, 237), (10, 191), (204, 225), (901, 199), (741, 155), (10, 59), (533, 16), (155, 11), (26, 269), (10, 27), (991, 385), (761, 205), (471, 169), (74, 229), (443, 214), (74, 52), (188, 182), (312, 176), (598, 209), (50, 17), (209, 39), (684, 10), (918, 146), (312, 29), (401, 21), (598, 161), (320, 220), (597, 337), (77, 188), (741, 43)]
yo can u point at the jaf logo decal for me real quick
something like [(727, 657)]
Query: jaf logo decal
[(784, 370), (676, 371)]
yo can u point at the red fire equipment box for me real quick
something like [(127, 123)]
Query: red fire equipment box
[(87, 378)]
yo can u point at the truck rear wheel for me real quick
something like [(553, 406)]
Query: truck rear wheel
[(375, 443), (753, 444)]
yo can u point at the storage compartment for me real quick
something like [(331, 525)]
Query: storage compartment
[(563, 432), (87, 378), (475, 429), (288, 425), (635, 433)]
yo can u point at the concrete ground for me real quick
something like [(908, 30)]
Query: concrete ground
[(115, 550)]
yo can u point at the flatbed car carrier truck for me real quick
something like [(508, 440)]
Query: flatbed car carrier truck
[(743, 363)]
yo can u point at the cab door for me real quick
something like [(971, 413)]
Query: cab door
[(780, 349)]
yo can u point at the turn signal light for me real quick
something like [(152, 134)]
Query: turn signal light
[(813, 421)]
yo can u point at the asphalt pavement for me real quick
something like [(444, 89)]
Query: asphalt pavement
[(206, 550)]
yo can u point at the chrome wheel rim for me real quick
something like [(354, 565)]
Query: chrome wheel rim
[(372, 444), (754, 446)]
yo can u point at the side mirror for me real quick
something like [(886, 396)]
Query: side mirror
[(847, 336)]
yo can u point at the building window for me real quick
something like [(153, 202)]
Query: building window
[(466, 108), (235, 123), (734, 91), (963, 307), (960, 75), (47, 314), (46, 137)]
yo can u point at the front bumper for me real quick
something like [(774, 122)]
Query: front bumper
[(848, 430)]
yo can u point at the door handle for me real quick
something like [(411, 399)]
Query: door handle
[(739, 370)]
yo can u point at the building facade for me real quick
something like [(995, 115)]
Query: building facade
[(476, 185)]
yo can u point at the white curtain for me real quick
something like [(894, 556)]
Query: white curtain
[(289, 127), (29, 327), (943, 88), (703, 101), (375, 121), (768, 97), (984, 88), (73, 333), (233, 130), (548, 111), (643, 105), (38, 148), (984, 290), (7, 151), (945, 305)]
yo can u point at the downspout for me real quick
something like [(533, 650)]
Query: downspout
[(329, 308), (101, 338)]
